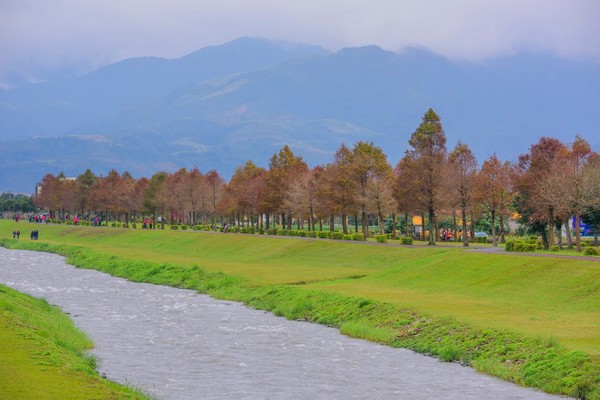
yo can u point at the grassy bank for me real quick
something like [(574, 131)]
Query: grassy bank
[(531, 321), (42, 354)]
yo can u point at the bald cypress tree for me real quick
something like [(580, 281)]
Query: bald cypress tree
[(428, 155)]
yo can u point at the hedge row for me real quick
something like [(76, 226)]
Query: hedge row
[(261, 231), (529, 244)]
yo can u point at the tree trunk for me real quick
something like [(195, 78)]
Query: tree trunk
[(345, 224), (472, 228), (559, 224), (423, 238), (321, 224), (407, 224), (454, 227), (432, 226), (364, 220), (568, 233), (550, 227), (544, 238), (331, 223), (393, 225), (464, 228), (577, 231), (494, 240), (502, 238), (356, 223), (268, 221)]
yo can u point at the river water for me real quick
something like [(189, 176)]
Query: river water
[(177, 344)]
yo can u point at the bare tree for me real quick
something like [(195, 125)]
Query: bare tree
[(460, 182)]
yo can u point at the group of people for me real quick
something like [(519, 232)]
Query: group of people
[(34, 235), (147, 223), (38, 218), (446, 234)]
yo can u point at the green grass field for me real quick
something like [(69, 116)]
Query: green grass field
[(530, 303), (42, 355)]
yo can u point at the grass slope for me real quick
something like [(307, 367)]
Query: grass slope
[(42, 354), (529, 320)]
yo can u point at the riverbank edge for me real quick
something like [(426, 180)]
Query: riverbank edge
[(537, 363), (55, 350)]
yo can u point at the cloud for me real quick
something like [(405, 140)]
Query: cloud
[(82, 34)]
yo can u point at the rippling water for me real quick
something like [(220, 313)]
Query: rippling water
[(177, 344)]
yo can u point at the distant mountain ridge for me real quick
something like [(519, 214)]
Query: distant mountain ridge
[(222, 105)]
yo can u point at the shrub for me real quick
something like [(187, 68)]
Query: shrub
[(481, 239), (406, 240), (336, 235), (174, 227), (590, 251), (323, 234), (125, 225), (113, 224), (509, 245), (530, 247), (311, 234), (358, 236), (347, 237), (519, 246), (261, 231), (184, 227), (381, 238), (272, 231), (300, 233), (554, 248), (197, 227)]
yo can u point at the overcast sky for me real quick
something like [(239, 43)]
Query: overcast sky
[(36, 34)]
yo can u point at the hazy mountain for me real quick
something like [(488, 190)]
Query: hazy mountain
[(57, 108), (243, 100)]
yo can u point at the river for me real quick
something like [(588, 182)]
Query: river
[(177, 344)]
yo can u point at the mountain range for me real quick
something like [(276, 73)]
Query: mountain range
[(222, 105)]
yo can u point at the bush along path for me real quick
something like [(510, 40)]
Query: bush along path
[(541, 364)]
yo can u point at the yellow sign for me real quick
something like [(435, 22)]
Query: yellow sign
[(417, 220)]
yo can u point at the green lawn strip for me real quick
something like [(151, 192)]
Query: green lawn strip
[(261, 259), (543, 364), (539, 297), (43, 355), (549, 298)]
